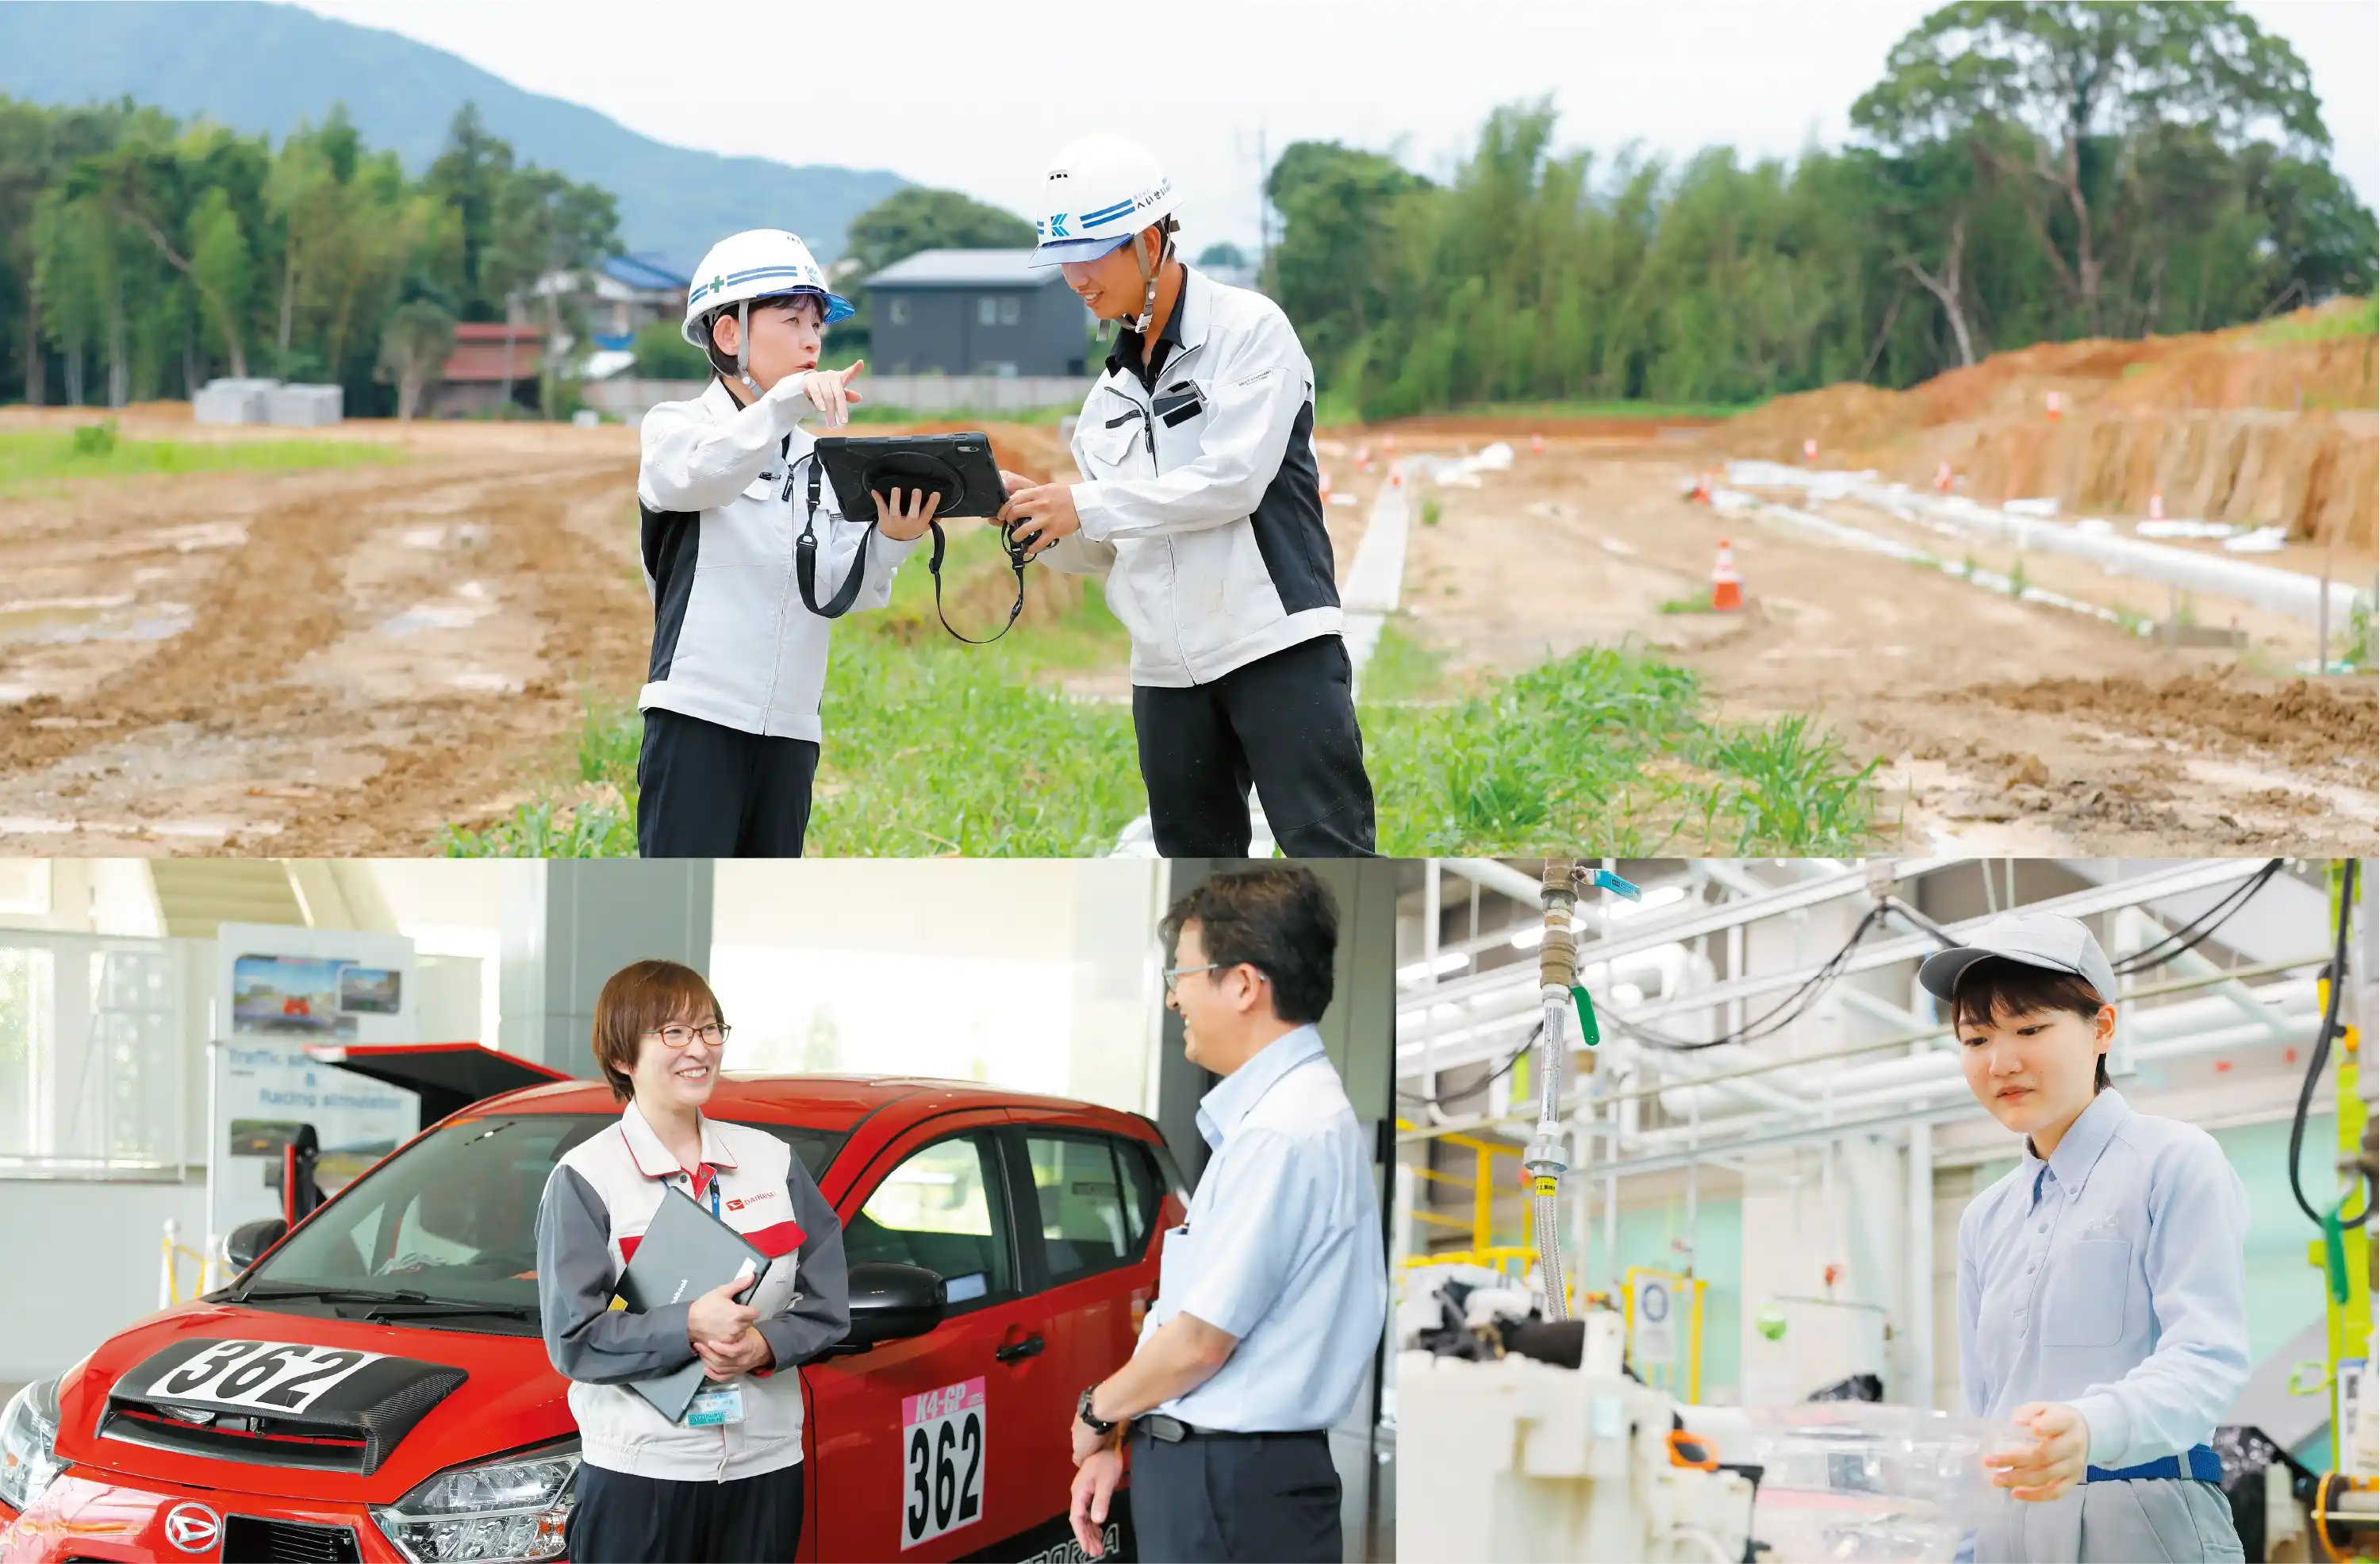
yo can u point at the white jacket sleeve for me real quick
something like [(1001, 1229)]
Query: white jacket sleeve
[(1252, 406), (694, 463), (1075, 555)]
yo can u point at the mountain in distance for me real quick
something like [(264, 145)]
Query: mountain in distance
[(257, 66)]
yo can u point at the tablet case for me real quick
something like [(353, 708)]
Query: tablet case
[(686, 1252), (958, 467)]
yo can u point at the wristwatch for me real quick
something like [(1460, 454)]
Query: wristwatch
[(1090, 1419)]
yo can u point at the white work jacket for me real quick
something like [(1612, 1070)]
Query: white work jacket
[(733, 641), (1201, 498)]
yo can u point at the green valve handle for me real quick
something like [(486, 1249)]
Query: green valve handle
[(2334, 1251), (1587, 1031)]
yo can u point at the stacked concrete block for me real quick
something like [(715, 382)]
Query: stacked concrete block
[(304, 407), (231, 401)]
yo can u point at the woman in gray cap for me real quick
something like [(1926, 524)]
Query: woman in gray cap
[(2101, 1284)]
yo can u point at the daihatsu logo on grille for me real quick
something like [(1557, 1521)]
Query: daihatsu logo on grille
[(193, 1528)]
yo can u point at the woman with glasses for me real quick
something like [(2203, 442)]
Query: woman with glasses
[(723, 1482)]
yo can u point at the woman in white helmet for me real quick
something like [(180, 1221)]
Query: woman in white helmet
[(749, 557), (1201, 504)]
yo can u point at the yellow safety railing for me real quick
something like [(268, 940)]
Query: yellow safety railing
[(174, 1253)]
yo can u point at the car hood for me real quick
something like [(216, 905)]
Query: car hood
[(427, 1400)]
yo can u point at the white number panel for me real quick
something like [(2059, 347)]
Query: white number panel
[(264, 1377), (942, 1453)]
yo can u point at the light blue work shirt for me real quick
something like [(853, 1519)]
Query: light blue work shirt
[(1281, 1248), (2112, 1277)]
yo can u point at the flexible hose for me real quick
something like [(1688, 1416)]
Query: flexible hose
[(1547, 1210)]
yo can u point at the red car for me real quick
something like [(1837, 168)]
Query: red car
[(375, 1385)]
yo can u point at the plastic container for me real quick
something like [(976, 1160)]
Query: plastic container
[(1854, 1480)]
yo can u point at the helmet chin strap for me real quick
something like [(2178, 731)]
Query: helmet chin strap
[(1149, 277), (743, 345)]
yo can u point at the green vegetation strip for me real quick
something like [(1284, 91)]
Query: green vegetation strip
[(95, 451), (934, 748)]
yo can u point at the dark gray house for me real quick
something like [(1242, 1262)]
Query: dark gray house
[(975, 311)]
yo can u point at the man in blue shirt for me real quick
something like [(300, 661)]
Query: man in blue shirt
[(1273, 1293), (2102, 1283)]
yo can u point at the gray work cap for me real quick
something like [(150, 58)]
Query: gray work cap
[(2050, 940)]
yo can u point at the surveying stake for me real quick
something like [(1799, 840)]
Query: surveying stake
[(1559, 987)]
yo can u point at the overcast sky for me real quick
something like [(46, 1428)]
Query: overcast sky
[(974, 95)]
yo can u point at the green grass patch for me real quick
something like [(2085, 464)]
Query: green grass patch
[(2359, 319), (95, 451), (1687, 606), (1606, 752), (936, 748), (1402, 669), (1431, 510)]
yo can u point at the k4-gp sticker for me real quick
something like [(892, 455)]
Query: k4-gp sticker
[(274, 1377), (942, 1453)]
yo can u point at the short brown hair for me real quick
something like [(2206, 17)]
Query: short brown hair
[(1280, 920), (1998, 989), (644, 997)]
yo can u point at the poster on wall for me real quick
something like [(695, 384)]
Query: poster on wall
[(279, 989)]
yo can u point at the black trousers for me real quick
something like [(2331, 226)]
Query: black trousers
[(1287, 723), (708, 791), (1255, 1497), (623, 1518)]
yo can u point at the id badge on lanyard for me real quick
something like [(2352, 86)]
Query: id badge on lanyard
[(715, 1406)]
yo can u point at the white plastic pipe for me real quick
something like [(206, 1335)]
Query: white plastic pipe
[(2279, 591)]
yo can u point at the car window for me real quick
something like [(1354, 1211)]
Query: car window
[(454, 1213), (1140, 1189), (939, 1208), (1086, 1218)]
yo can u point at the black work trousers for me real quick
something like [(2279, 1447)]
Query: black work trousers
[(705, 790), (623, 1518), (1285, 722), (1264, 1498)]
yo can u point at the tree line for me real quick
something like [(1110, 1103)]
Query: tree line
[(2021, 173), (142, 256)]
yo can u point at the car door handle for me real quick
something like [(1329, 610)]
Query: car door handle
[(1017, 1352)]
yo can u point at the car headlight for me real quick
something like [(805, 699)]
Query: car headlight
[(507, 1510), (28, 1445)]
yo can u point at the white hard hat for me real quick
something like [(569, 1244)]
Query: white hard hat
[(1099, 192), (756, 263)]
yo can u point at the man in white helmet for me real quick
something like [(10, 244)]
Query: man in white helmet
[(1201, 504), (750, 556)]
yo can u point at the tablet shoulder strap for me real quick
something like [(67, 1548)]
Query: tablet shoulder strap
[(806, 556)]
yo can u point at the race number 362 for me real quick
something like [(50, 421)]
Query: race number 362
[(941, 1452)]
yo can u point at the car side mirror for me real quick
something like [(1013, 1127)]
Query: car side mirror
[(892, 1302), (250, 1239)]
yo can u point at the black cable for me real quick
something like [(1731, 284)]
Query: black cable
[(1495, 1075), (2191, 934), (1786, 1012), (2322, 1055)]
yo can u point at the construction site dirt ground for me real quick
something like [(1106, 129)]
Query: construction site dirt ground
[(342, 661), (337, 661), (1999, 727)]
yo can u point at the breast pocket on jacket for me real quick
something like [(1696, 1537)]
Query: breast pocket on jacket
[(2083, 1304), (1115, 439)]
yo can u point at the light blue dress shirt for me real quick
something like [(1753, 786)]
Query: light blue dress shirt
[(2112, 1277), (1281, 1248)]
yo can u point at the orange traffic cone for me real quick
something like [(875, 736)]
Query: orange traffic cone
[(1942, 479), (1326, 485), (1809, 450), (2157, 505), (1387, 442), (1702, 494), (2057, 405), (1396, 477), (1536, 445), (1727, 587), (1362, 452)]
